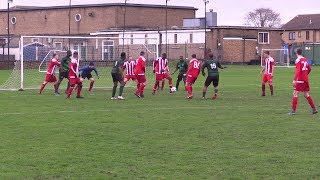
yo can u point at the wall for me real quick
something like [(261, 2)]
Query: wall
[(239, 45), (313, 34), (93, 19)]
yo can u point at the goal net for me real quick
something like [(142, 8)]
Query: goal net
[(280, 56), (36, 52)]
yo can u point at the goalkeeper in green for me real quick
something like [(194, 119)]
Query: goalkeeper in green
[(213, 65)]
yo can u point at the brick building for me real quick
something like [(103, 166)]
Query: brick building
[(85, 19), (237, 44), (303, 31), (230, 43)]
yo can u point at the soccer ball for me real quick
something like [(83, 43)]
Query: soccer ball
[(173, 89)]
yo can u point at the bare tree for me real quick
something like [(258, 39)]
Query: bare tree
[(263, 17)]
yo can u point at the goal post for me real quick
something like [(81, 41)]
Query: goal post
[(280, 56), (36, 52)]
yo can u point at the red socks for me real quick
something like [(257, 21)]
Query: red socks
[(189, 90), (79, 90), (91, 86), (271, 89), (138, 87), (162, 85), (294, 103), (42, 87), (141, 89), (155, 86), (70, 91), (170, 83), (263, 89), (310, 101)]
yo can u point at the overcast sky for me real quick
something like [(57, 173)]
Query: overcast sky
[(230, 12)]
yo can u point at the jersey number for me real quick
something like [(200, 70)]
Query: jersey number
[(213, 66), (196, 65), (304, 68)]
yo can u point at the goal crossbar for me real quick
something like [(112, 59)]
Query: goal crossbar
[(283, 53), (28, 60)]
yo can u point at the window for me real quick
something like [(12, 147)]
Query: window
[(13, 20), (307, 35), (57, 45), (107, 50), (191, 38), (81, 48), (263, 38), (292, 36), (77, 17), (299, 34), (175, 38)]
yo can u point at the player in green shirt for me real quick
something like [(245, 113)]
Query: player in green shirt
[(212, 65), (64, 71), (182, 66), (118, 77)]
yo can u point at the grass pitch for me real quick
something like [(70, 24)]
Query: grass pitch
[(240, 135)]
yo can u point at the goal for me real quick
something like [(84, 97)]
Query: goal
[(37, 51), (280, 56)]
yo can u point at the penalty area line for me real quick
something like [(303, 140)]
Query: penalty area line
[(148, 109)]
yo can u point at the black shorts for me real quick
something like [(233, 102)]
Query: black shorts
[(88, 76), (116, 77), (182, 77), (63, 75), (212, 79)]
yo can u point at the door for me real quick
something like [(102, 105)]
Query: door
[(81, 48), (107, 50)]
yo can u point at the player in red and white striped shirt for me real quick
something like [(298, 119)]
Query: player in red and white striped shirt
[(161, 68), (129, 66), (75, 80), (50, 77), (268, 71)]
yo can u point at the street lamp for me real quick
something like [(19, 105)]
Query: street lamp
[(8, 24), (124, 22), (167, 26), (205, 28), (69, 22)]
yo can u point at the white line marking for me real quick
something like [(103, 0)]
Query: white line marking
[(148, 109)]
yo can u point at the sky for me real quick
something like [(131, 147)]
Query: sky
[(230, 12)]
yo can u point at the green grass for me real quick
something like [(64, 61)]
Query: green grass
[(239, 136)]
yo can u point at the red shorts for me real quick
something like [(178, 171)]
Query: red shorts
[(74, 81), (141, 78), (159, 77), (191, 79), (302, 87), (132, 77), (166, 76), (51, 78), (267, 78)]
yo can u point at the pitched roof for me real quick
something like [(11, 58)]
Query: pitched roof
[(32, 8), (303, 22)]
